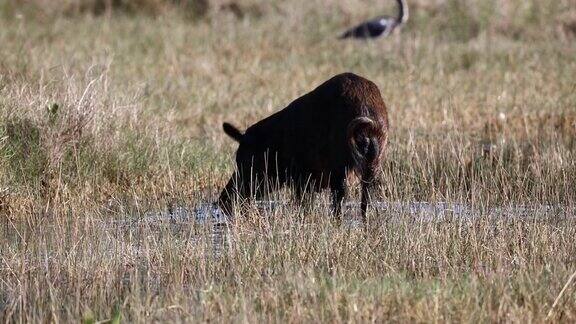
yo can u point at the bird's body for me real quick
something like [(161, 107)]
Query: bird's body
[(381, 26)]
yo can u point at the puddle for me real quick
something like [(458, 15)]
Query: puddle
[(422, 211), (442, 211), (180, 219)]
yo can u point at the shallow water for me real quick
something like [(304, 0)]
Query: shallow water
[(180, 219), (423, 211)]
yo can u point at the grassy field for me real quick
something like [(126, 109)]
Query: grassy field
[(110, 112)]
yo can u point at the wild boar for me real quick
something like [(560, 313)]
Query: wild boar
[(340, 127)]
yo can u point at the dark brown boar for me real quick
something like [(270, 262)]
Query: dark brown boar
[(339, 127)]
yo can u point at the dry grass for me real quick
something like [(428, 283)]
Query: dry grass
[(106, 117)]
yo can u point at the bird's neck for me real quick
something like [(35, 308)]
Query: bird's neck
[(402, 12)]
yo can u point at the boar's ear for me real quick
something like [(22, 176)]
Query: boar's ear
[(232, 131)]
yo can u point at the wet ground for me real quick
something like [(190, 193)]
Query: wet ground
[(417, 211), (420, 211), (180, 219)]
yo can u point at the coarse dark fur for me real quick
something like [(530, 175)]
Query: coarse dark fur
[(339, 127)]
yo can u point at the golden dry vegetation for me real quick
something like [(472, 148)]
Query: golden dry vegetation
[(112, 110)]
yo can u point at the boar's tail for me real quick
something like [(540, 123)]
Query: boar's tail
[(365, 139), (232, 131)]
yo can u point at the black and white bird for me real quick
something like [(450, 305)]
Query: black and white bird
[(381, 26)]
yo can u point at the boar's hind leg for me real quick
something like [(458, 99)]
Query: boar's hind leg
[(338, 188), (367, 184)]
